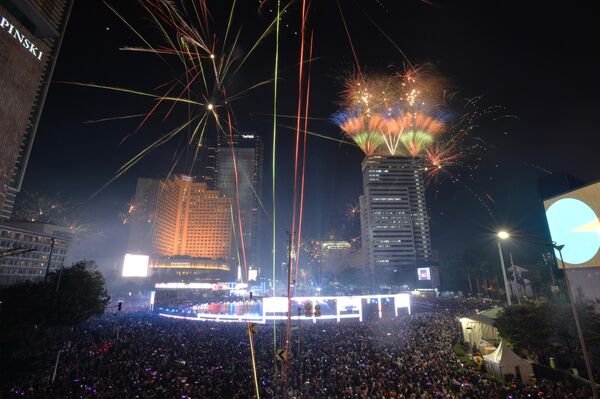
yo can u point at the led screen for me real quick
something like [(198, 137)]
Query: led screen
[(135, 266), (424, 273), (573, 222)]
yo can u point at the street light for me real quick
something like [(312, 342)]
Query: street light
[(503, 235), (586, 357)]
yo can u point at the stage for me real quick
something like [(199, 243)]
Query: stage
[(359, 307)]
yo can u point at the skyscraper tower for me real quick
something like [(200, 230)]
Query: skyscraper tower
[(394, 222), (180, 217), (249, 157), (30, 36)]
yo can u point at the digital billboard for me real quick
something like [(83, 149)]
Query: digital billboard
[(573, 222), (135, 265), (424, 273)]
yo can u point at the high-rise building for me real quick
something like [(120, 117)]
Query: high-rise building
[(30, 36), (26, 249), (180, 217), (205, 164), (394, 223), (248, 154), (142, 214)]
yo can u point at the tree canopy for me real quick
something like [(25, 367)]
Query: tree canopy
[(30, 310)]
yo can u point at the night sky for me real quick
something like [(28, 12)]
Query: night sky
[(535, 59)]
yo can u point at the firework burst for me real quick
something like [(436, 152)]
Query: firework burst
[(352, 212), (37, 207), (391, 114)]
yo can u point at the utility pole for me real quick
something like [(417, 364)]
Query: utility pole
[(60, 273), (289, 314), (52, 241), (515, 278), (506, 288), (586, 356)]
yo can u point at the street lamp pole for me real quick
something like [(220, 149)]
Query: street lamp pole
[(52, 241), (508, 301), (514, 272), (586, 357)]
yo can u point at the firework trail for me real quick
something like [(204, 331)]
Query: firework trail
[(204, 66), (202, 54)]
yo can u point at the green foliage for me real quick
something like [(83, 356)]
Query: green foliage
[(30, 311), (550, 328), (80, 295), (527, 326), (479, 264)]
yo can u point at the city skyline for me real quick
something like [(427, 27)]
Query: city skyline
[(333, 174), (299, 199)]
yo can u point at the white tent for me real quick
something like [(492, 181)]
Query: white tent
[(478, 327), (504, 361)]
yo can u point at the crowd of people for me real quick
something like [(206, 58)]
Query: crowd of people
[(156, 357)]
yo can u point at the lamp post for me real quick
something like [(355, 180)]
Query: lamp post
[(586, 357), (52, 241), (503, 235)]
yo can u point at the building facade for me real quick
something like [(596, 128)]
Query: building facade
[(26, 249), (394, 222), (142, 213), (249, 157), (30, 36), (182, 225)]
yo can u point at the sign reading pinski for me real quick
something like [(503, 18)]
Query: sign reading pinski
[(25, 42)]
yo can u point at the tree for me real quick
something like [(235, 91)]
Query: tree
[(527, 326), (549, 328), (81, 294), (67, 298), (30, 310), (566, 341)]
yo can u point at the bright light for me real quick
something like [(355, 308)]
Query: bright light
[(503, 235), (135, 266), (210, 107), (424, 273), (212, 56), (252, 274)]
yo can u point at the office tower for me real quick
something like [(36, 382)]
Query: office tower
[(394, 223), (142, 212), (248, 152), (180, 217), (26, 249), (205, 164), (30, 36)]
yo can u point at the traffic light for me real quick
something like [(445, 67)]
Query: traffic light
[(317, 310), (308, 309), (250, 295), (120, 306)]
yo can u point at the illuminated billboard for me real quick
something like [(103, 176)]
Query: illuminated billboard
[(135, 266), (252, 274), (424, 273), (573, 222)]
